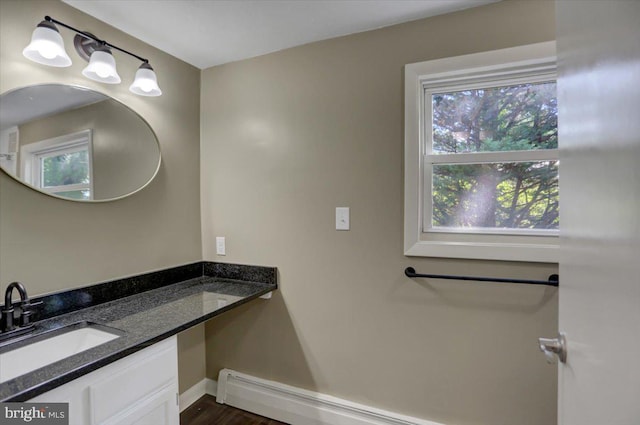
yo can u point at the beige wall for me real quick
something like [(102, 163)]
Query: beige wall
[(125, 151), (289, 136), (51, 244), (191, 358)]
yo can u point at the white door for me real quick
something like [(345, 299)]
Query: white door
[(599, 131)]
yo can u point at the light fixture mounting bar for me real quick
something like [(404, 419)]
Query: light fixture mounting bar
[(94, 38)]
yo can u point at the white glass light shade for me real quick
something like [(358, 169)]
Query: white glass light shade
[(146, 82), (102, 68), (47, 46)]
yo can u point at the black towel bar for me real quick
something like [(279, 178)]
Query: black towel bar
[(554, 279)]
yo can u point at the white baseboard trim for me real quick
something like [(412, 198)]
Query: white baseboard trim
[(296, 406), (206, 386)]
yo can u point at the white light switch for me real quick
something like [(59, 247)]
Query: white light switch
[(342, 218), (220, 246)]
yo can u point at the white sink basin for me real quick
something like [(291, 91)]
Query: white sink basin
[(45, 349)]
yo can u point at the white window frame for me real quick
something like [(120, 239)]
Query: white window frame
[(531, 63), (32, 153)]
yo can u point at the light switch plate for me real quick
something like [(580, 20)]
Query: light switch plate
[(220, 246), (342, 218)]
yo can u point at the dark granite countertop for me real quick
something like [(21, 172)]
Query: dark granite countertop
[(144, 319)]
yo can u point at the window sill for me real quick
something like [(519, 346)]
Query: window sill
[(537, 253)]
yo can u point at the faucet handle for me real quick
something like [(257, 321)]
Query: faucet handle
[(25, 313)]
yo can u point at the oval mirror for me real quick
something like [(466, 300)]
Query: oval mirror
[(75, 143)]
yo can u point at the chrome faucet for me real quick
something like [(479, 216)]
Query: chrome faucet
[(8, 310)]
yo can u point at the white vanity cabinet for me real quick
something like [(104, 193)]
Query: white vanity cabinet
[(140, 389)]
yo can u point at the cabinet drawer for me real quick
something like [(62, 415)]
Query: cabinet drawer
[(150, 374)]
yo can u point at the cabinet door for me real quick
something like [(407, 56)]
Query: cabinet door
[(139, 389), (160, 409), (76, 393)]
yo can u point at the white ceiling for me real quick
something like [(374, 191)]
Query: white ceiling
[(205, 33)]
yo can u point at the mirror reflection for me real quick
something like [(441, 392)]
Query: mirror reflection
[(75, 143)]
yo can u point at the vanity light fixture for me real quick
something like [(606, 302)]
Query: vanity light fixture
[(102, 67), (47, 48), (146, 83)]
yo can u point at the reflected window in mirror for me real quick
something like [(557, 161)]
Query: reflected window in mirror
[(62, 166)]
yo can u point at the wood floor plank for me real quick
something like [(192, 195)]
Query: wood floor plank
[(206, 411)]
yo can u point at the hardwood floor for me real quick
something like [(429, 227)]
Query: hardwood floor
[(206, 411)]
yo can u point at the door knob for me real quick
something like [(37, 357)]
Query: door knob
[(554, 346)]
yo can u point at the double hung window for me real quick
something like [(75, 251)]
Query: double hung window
[(481, 156), (61, 166)]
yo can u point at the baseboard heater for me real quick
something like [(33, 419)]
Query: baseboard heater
[(296, 406)]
